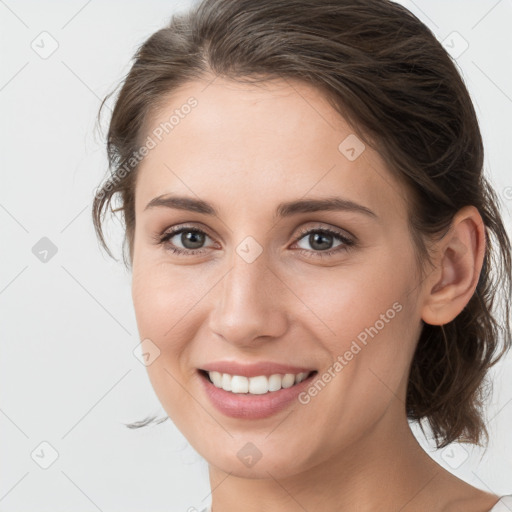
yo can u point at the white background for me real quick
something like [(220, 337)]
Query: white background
[(68, 375)]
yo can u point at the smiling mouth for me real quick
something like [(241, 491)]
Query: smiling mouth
[(257, 385)]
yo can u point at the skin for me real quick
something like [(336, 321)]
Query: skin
[(245, 149)]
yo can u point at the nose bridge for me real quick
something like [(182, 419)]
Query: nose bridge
[(247, 304), (247, 281)]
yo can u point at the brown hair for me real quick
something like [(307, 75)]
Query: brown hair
[(385, 72)]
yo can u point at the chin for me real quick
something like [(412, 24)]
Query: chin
[(258, 460)]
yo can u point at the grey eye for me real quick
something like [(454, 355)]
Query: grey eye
[(318, 241)]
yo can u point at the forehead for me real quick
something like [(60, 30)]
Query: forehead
[(257, 144)]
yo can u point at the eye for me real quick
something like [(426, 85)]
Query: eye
[(184, 240), (321, 241)]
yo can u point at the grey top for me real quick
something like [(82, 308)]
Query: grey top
[(504, 505)]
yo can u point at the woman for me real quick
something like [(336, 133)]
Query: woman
[(311, 239)]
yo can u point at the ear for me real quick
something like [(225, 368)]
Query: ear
[(458, 262)]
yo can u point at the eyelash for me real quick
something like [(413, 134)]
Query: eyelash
[(346, 245)]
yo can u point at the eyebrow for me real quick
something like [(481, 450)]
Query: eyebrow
[(283, 209)]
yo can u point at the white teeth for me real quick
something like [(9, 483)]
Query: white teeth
[(274, 382), (255, 385), (300, 377), (216, 378), (239, 384), (288, 380), (258, 385), (226, 382)]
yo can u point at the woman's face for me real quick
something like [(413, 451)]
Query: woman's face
[(262, 282)]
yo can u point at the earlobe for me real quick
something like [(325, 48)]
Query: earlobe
[(460, 255)]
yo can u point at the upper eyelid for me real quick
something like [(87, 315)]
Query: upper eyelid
[(333, 231), (176, 230)]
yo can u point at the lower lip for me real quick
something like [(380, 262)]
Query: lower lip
[(251, 407)]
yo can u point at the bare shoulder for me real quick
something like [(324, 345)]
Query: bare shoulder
[(448, 493), (467, 498), (482, 503)]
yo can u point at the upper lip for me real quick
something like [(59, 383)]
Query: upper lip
[(253, 369)]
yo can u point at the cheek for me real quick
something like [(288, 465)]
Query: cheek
[(345, 302), (365, 318), (163, 295), (164, 308)]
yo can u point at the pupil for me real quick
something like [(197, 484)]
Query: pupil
[(192, 239), (315, 239)]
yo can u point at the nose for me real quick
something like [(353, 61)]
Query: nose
[(249, 304)]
